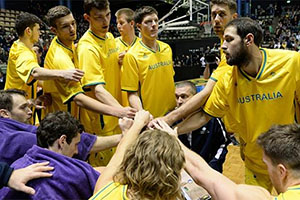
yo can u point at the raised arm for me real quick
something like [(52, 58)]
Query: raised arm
[(105, 142), (99, 107), (216, 184), (134, 100), (195, 103), (40, 73), (141, 119), (193, 122)]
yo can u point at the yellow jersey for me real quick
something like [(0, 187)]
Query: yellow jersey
[(217, 74), (151, 74), (98, 58), (258, 103), (123, 46), (21, 62), (112, 191), (61, 57), (292, 193)]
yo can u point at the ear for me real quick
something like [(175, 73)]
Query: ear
[(5, 113), (62, 141), (86, 17), (235, 15), (283, 172), (249, 39), (132, 23), (54, 30), (27, 31)]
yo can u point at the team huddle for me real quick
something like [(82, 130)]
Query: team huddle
[(103, 92)]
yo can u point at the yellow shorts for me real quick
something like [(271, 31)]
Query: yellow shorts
[(101, 158), (262, 180)]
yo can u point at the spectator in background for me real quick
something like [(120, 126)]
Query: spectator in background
[(2, 79)]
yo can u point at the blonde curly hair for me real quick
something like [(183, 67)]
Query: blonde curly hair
[(151, 167)]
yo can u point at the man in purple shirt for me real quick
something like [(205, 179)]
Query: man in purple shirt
[(58, 137), (17, 136)]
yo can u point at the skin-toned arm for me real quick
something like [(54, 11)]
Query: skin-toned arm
[(217, 185), (206, 73), (195, 103), (20, 177), (141, 119), (106, 142), (134, 100), (40, 73), (193, 122), (98, 107), (104, 96)]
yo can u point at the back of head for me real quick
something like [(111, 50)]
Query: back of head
[(54, 125), (282, 145), (142, 12), (193, 89), (98, 4), (6, 99), (151, 167), (25, 20), (129, 14), (244, 26), (230, 3), (56, 13)]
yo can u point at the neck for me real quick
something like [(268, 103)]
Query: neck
[(98, 33), (26, 41), (152, 44), (67, 43), (128, 38), (253, 65)]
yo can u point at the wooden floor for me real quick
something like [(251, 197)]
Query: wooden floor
[(234, 166)]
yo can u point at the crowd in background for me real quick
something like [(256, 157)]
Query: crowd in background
[(281, 30)]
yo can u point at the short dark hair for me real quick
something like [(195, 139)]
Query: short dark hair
[(244, 26), (142, 12), (6, 99), (25, 20), (129, 14), (190, 84), (99, 4), (56, 13), (282, 145), (54, 125), (230, 3)]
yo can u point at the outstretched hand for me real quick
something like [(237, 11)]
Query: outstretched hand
[(125, 124), (162, 125), (20, 177), (142, 116)]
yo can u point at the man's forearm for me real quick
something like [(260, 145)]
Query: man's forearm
[(96, 106), (195, 103), (106, 142), (193, 122), (134, 100), (105, 97), (40, 73)]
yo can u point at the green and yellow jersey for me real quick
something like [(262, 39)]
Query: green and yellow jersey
[(123, 46), (292, 193), (61, 57), (256, 104), (111, 191), (151, 74)]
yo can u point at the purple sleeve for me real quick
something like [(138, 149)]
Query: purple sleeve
[(86, 143)]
